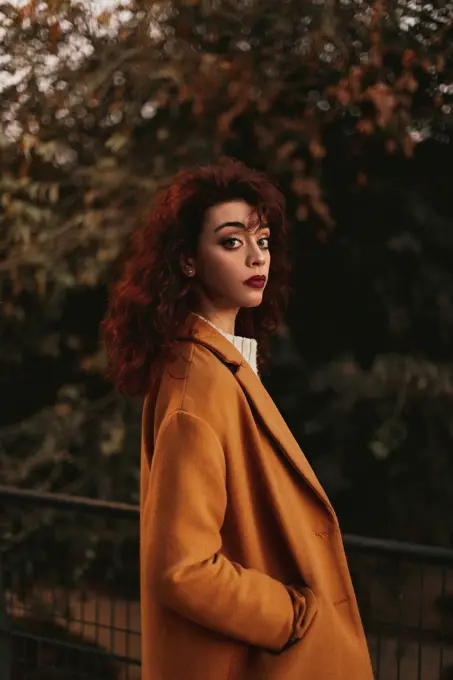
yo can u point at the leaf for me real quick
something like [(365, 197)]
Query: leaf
[(408, 146), (365, 127), (54, 193), (63, 410), (117, 142), (317, 149), (29, 142), (302, 212), (379, 450), (104, 18), (286, 150), (28, 11), (55, 34)]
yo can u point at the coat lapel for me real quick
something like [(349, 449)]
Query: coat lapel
[(259, 400), (263, 406)]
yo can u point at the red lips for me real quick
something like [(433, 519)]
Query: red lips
[(255, 281)]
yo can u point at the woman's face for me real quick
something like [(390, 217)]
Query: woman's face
[(233, 247)]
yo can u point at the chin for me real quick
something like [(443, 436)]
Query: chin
[(253, 300)]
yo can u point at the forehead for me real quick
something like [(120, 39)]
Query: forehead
[(231, 211)]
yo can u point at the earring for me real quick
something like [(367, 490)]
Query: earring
[(190, 272)]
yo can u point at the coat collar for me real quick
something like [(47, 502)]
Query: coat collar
[(198, 331), (203, 333)]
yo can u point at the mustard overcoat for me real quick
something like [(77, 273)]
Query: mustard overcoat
[(231, 515)]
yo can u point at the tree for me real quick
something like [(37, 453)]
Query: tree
[(349, 106)]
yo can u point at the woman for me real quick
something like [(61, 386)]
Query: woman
[(243, 572)]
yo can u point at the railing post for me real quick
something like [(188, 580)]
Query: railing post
[(5, 635)]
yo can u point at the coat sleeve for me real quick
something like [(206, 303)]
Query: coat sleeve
[(186, 507)]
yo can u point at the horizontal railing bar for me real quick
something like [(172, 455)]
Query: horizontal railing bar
[(410, 633), (380, 546), (98, 651), (68, 502), (104, 627)]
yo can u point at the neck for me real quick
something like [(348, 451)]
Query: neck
[(225, 320)]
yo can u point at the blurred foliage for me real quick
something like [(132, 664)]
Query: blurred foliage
[(349, 105)]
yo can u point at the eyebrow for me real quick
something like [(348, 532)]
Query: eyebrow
[(236, 224)]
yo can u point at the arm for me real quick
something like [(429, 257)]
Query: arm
[(186, 507)]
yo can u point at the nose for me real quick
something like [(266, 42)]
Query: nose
[(255, 257)]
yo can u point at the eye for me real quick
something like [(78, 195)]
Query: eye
[(264, 242), (230, 243)]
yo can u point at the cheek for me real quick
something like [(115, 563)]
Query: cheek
[(222, 266)]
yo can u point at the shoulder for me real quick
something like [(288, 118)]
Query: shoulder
[(198, 382)]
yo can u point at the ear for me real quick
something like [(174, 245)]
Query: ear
[(188, 266)]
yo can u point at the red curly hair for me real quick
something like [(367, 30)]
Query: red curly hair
[(151, 300)]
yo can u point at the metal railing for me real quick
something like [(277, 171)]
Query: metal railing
[(72, 614)]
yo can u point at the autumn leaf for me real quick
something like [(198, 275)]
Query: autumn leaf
[(390, 146), (299, 186), (317, 149), (104, 18), (365, 127), (408, 58), (408, 146), (302, 212), (286, 150), (322, 210), (28, 11), (407, 82), (55, 32), (384, 101), (62, 409)]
